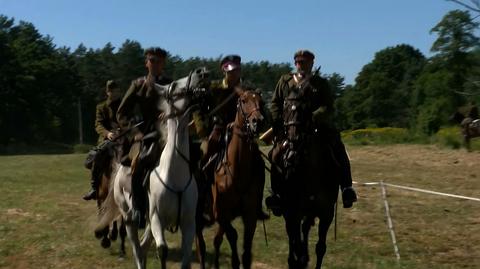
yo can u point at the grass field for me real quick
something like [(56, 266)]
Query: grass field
[(45, 224)]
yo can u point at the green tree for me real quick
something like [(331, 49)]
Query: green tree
[(443, 85), (382, 93), (473, 5), (455, 39)]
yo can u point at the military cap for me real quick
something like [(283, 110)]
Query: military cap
[(304, 53), (156, 51), (111, 84), (230, 62)]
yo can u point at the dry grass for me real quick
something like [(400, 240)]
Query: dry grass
[(45, 224)]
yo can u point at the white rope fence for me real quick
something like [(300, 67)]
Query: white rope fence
[(420, 190), (389, 221), (387, 208)]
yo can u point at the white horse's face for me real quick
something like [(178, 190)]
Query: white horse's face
[(177, 96)]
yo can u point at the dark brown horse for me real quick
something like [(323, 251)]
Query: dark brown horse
[(239, 181), (470, 127), (105, 163), (308, 178)]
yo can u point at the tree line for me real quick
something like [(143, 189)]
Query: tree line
[(44, 88)]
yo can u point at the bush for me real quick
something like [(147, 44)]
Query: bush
[(448, 137), (82, 148), (369, 136), (451, 137)]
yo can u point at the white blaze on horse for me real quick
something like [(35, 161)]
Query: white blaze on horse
[(172, 189)]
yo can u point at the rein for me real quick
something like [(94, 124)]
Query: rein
[(245, 117)]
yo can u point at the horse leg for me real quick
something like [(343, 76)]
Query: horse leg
[(232, 238), (113, 233), (123, 233), (250, 224), (200, 243), (217, 242), (146, 239), (132, 232), (188, 234), (105, 243), (467, 142), (292, 224), (323, 226), (307, 224), (159, 236)]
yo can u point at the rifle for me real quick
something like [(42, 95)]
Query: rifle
[(267, 137), (107, 143)]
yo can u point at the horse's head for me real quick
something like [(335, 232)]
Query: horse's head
[(295, 116), (457, 117), (179, 97), (249, 109)]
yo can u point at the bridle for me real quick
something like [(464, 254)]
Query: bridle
[(246, 129)]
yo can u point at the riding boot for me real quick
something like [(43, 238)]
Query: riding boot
[(94, 182), (92, 193), (204, 203), (208, 217), (274, 202), (138, 197), (349, 196), (260, 171)]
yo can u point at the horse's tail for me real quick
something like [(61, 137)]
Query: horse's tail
[(109, 210)]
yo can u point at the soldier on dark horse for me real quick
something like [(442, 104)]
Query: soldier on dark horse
[(106, 127), (100, 160), (468, 119), (309, 161)]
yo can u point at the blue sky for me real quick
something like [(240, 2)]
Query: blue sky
[(344, 35)]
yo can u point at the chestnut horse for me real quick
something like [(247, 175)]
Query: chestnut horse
[(239, 181)]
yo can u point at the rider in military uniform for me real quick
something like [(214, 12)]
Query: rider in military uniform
[(140, 104), (106, 127), (318, 104), (221, 107)]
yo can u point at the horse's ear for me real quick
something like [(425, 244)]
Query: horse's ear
[(239, 90)]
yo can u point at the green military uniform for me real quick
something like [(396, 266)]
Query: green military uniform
[(319, 101), (140, 100), (106, 119), (141, 103), (105, 122), (219, 92)]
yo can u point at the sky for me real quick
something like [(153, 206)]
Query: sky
[(343, 34)]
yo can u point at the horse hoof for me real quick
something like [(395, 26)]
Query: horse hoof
[(98, 234), (113, 236), (106, 243)]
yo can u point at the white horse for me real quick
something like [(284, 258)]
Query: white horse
[(172, 191)]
